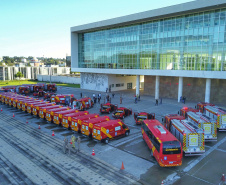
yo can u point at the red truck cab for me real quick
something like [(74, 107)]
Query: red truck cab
[(140, 117), (122, 112)]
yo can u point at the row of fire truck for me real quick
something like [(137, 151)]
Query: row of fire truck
[(91, 125)]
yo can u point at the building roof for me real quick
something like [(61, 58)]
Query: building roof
[(170, 11)]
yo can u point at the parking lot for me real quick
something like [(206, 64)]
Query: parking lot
[(132, 150)]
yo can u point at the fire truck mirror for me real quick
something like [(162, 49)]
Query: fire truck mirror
[(124, 126)]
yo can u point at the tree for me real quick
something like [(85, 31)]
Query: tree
[(19, 74)]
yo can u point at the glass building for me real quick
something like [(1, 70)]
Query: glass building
[(164, 42)]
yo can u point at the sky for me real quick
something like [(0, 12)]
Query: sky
[(42, 27)]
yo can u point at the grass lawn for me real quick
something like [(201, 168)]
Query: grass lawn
[(20, 82)]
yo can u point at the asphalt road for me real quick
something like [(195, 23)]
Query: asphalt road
[(132, 150)]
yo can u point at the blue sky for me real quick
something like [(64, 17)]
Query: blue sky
[(42, 27)]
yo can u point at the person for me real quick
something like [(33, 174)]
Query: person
[(65, 145), (184, 99), (139, 98), (73, 139), (109, 99), (100, 95), (120, 99), (78, 141), (135, 101), (113, 94), (106, 90), (109, 89), (156, 102), (69, 148), (94, 96), (81, 94), (99, 100)]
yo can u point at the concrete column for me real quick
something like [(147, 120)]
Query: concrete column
[(74, 50), (138, 85), (180, 88), (157, 87), (208, 86)]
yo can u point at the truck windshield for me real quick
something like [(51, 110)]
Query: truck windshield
[(171, 147), (119, 111), (142, 117), (105, 107)]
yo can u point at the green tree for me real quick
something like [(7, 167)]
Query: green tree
[(19, 74)]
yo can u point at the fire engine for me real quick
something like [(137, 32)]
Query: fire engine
[(183, 111), (47, 95), (109, 130), (164, 146), (16, 99), (206, 123), (87, 125), (77, 121), (23, 90), (66, 121), (190, 136), (25, 102), (20, 102), (140, 117), (51, 87), (63, 99), (42, 111), (31, 104), (37, 87), (108, 108), (168, 118), (57, 119), (122, 112), (218, 114), (37, 107), (83, 104), (50, 113), (201, 105)]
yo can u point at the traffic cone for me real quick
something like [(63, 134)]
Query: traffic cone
[(39, 127), (1, 109), (162, 183), (53, 134), (93, 153), (122, 168), (13, 115), (223, 178)]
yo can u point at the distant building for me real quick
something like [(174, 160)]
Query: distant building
[(24, 60), (20, 65)]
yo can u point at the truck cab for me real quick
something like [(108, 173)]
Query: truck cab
[(141, 116)]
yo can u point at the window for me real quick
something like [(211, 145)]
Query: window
[(119, 85)]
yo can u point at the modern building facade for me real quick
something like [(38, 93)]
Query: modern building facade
[(178, 50)]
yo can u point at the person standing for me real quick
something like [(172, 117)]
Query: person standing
[(120, 99), (65, 145), (100, 95), (78, 141), (113, 95), (81, 94), (73, 139), (156, 102)]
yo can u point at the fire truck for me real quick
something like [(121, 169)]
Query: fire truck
[(11, 100), (122, 112), (141, 116), (51, 87), (66, 121), (37, 107), (43, 110), (50, 113), (57, 119), (206, 123), (83, 104), (87, 125), (109, 130), (218, 114), (183, 111), (190, 136), (23, 90), (20, 102), (107, 108), (25, 102), (31, 104), (201, 105), (9, 97), (16, 99), (47, 95), (77, 121), (37, 87), (63, 99), (167, 120)]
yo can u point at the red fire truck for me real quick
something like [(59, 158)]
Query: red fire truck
[(77, 121), (183, 111), (37, 107), (201, 105), (20, 101), (122, 112), (66, 121), (141, 116), (16, 99), (190, 136), (87, 125), (43, 110), (107, 108), (83, 104), (167, 120), (109, 130), (23, 90), (57, 119), (50, 113), (47, 95), (163, 145), (25, 102), (206, 123), (63, 99), (218, 114), (51, 87)]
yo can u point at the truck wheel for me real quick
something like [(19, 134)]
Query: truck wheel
[(107, 140), (127, 133)]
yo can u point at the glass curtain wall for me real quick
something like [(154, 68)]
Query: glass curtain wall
[(191, 42)]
